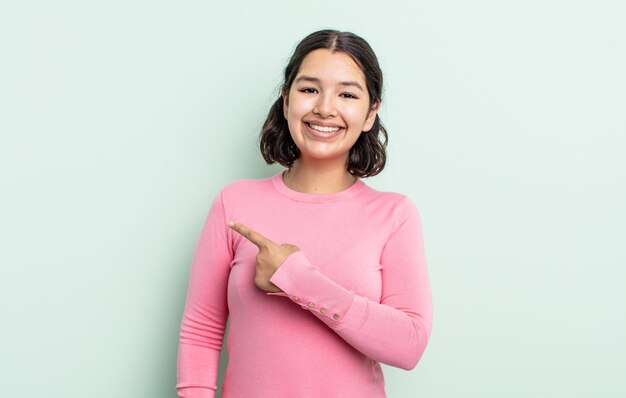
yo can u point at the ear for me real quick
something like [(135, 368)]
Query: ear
[(283, 93), (371, 116)]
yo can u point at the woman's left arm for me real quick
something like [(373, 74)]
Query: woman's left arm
[(394, 331)]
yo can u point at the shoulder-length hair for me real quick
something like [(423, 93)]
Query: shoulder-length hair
[(367, 156)]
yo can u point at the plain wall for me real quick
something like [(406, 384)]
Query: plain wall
[(120, 121)]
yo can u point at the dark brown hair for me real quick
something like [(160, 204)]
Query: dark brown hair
[(367, 156)]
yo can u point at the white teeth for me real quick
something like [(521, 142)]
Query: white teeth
[(324, 129)]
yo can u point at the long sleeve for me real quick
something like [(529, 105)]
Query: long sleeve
[(204, 318), (395, 330)]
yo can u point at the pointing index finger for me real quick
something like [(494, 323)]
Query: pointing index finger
[(250, 234)]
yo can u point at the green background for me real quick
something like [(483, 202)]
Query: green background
[(120, 121)]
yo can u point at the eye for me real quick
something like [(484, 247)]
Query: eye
[(308, 90), (348, 95)]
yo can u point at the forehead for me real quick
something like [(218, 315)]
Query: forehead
[(327, 65)]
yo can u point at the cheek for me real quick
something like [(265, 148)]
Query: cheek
[(296, 110), (355, 115)]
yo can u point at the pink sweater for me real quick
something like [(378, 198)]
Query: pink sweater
[(355, 295)]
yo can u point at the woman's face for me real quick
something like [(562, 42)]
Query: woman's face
[(327, 106)]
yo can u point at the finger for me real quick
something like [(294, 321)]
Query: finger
[(250, 234)]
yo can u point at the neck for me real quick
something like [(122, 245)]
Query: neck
[(318, 179)]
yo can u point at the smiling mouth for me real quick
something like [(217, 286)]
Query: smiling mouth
[(323, 129)]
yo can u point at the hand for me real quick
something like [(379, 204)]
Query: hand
[(271, 256)]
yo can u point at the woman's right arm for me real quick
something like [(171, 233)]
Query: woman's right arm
[(204, 318)]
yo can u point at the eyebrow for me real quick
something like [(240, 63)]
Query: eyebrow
[(316, 80)]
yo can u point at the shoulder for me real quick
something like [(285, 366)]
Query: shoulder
[(245, 185), (399, 207), (244, 189), (391, 199)]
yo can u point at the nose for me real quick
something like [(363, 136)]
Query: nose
[(325, 106)]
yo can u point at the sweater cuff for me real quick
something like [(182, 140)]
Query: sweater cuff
[(305, 285), (196, 392)]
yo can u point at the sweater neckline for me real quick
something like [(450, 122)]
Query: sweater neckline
[(347, 193)]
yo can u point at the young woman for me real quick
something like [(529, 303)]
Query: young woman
[(322, 277)]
